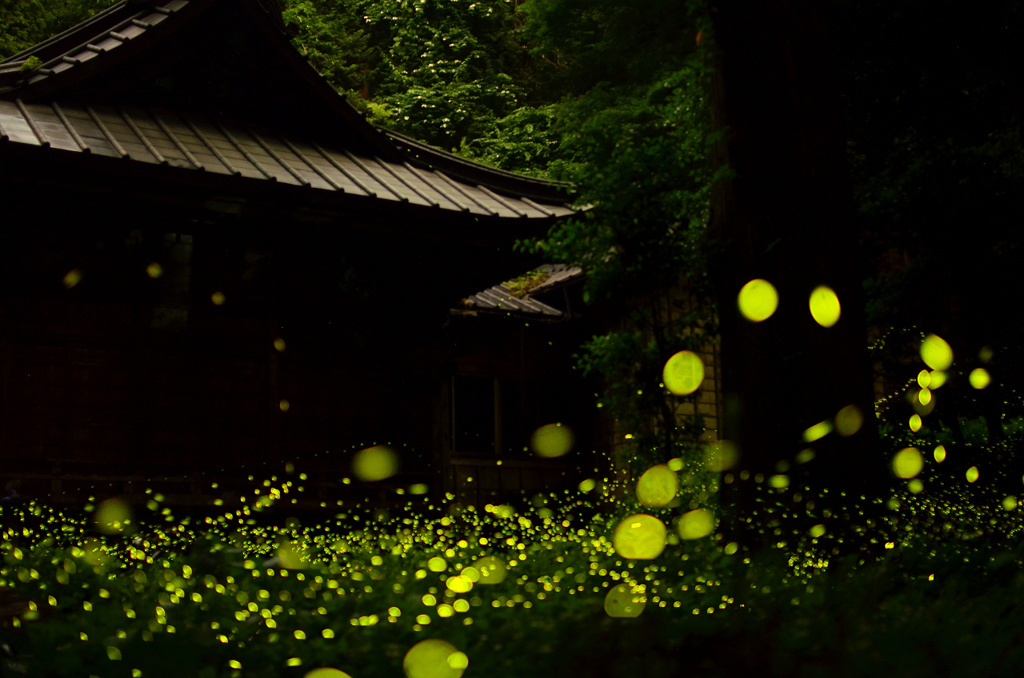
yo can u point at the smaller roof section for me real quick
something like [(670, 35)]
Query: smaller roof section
[(522, 296)]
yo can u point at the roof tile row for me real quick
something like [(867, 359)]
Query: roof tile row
[(165, 138), (502, 299)]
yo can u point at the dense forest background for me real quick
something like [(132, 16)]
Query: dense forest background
[(628, 105)]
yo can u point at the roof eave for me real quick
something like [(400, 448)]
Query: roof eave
[(427, 156)]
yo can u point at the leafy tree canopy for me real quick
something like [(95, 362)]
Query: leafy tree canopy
[(24, 23)]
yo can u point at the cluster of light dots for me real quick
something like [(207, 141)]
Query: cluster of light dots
[(411, 571), (433, 570), (937, 355), (424, 575)]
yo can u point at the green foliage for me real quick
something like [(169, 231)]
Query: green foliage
[(220, 597), (527, 141), (329, 33), (31, 64), (444, 70), (27, 22), (521, 286), (580, 44), (640, 156)]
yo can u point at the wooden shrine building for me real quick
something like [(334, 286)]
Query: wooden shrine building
[(211, 261)]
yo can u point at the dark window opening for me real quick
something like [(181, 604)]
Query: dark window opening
[(473, 420), (174, 275), (498, 416)]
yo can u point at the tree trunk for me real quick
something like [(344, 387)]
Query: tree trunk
[(785, 216)]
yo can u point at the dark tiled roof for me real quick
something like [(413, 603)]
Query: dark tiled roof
[(197, 144), (502, 299), (387, 165)]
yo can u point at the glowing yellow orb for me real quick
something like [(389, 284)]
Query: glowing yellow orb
[(218, 298), (434, 658), (289, 554), (907, 463), (915, 422), (587, 485), (459, 584), (375, 463), (72, 278), (940, 453), (936, 353), (972, 474), (437, 564), (683, 373), (326, 673), (979, 378), (849, 420), (621, 602), (824, 306), (817, 531), (818, 431), (551, 440), (657, 486), (639, 537), (805, 456), (722, 455), (113, 516), (280, 345), (758, 300), (492, 570), (154, 270), (458, 660), (924, 396), (936, 379), (696, 524)]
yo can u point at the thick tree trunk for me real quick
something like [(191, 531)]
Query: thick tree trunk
[(785, 216)]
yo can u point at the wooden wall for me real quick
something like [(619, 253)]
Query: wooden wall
[(113, 378)]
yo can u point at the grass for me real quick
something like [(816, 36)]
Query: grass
[(253, 592)]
